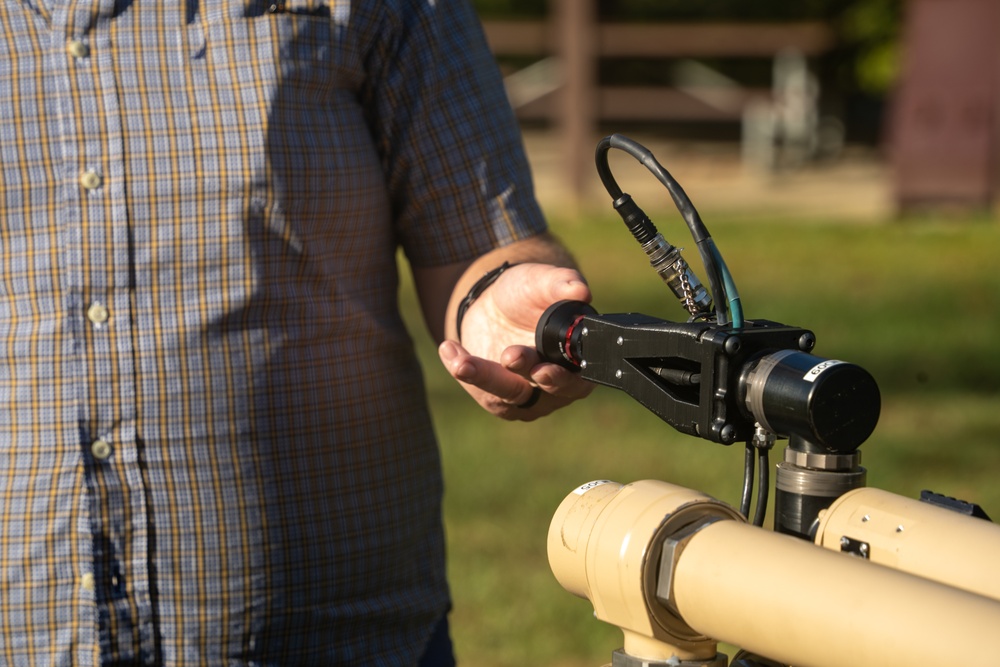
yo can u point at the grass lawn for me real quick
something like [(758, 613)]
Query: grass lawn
[(917, 303)]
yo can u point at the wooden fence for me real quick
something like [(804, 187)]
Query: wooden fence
[(562, 86)]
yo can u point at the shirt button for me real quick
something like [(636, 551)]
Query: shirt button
[(87, 581), (100, 449), (97, 313), (78, 49), (90, 179)]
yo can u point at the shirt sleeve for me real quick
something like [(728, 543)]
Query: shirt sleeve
[(451, 149)]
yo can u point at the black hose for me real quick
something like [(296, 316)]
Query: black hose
[(762, 486), (747, 480), (683, 203)]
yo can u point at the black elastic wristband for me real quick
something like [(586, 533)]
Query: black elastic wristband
[(475, 292)]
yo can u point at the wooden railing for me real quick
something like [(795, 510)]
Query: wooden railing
[(562, 87)]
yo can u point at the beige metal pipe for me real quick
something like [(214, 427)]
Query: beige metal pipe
[(678, 571), (603, 545), (915, 537), (785, 599)]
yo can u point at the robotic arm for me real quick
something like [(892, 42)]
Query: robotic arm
[(886, 580)]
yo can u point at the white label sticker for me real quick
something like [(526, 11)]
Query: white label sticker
[(815, 371), (591, 485)]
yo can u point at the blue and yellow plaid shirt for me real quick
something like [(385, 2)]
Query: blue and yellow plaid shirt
[(214, 442)]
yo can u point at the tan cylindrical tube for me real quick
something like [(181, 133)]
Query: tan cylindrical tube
[(915, 537), (785, 599), (604, 545)]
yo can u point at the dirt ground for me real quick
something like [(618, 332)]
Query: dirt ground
[(854, 186)]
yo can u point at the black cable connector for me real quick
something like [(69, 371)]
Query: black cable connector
[(642, 227), (638, 223)]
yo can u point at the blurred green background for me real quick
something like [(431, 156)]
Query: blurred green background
[(913, 301)]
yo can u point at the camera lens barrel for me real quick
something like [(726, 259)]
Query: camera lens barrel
[(833, 405), (557, 336)]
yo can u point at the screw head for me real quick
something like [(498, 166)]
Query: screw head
[(732, 345)]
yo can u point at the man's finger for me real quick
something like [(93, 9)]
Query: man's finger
[(485, 375), (562, 382)]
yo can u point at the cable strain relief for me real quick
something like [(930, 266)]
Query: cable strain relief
[(638, 223)]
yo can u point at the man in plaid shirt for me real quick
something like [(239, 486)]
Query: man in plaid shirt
[(214, 441)]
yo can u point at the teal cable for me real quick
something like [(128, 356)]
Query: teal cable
[(729, 287)]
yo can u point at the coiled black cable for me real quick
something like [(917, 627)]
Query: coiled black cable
[(721, 286)]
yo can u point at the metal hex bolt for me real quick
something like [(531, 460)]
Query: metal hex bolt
[(733, 345)]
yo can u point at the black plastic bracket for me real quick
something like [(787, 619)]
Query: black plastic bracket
[(686, 373)]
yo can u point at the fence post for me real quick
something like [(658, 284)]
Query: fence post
[(576, 37)]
